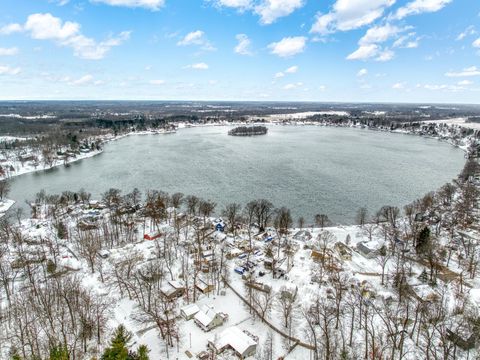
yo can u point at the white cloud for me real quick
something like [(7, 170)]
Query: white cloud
[(364, 52), (443, 87), (362, 72), (398, 86), (467, 72), (293, 86), (147, 4), (368, 44), (84, 80), (385, 55), (421, 6), (350, 14), (7, 70), (238, 4), (243, 46), (271, 10), (192, 38), (467, 32), (198, 66), (10, 29), (379, 34), (435, 87), (407, 42), (288, 46), (157, 82), (476, 43), (268, 10), (196, 38), (8, 51), (87, 48), (292, 69), (48, 27), (465, 83)]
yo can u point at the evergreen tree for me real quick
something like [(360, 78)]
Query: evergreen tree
[(423, 240), (118, 349), (142, 352), (59, 353), (118, 346)]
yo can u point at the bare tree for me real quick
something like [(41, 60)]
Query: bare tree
[(286, 301), (4, 189), (361, 217)]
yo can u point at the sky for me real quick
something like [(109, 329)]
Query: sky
[(263, 50)]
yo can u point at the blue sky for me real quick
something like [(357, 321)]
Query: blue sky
[(287, 50)]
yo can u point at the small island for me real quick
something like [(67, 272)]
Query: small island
[(248, 131)]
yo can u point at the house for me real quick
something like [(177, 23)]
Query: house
[(343, 250), (172, 290), (204, 286), (207, 318), (302, 235), (240, 342), (322, 256), (368, 249), (189, 311)]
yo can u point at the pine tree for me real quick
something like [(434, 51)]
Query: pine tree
[(142, 352), (59, 353), (423, 240), (118, 347)]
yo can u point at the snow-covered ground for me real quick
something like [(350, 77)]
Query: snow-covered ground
[(297, 115), (5, 205), (456, 121), (28, 167)]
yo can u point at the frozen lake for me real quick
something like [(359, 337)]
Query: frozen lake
[(308, 169)]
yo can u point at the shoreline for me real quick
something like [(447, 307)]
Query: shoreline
[(28, 170), (5, 205), (110, 138)]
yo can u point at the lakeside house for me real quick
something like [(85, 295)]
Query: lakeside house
[(343, 250), (369, 249), (240, 342), (207, 318)]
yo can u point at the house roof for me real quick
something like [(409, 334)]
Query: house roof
[(233, 337), (206, 315), (167, 290), (176, 284), (190, 310)]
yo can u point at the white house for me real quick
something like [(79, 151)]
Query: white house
[(189, 311), (242, 344), (207, 318)]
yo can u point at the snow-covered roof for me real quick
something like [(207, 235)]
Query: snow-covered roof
[(233, 337), (206, 315), (190, 310), (176, 284), (167, 290)]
